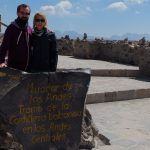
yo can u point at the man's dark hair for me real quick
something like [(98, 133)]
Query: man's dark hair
[(23, 5)]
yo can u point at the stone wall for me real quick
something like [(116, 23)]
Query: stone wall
[(115, 51), (110, 51), (86, 49), (65, 47), (132, 53), (144, 62)]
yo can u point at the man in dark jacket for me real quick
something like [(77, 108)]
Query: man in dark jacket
[(16, 42)]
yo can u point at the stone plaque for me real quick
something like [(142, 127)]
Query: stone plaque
[(44, 111)]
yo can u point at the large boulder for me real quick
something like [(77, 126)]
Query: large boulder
[(32, 111), (90, 136)]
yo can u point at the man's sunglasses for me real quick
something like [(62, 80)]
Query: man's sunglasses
[(23, 13), (39, 20)]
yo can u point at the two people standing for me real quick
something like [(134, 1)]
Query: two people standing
[(27, 50)]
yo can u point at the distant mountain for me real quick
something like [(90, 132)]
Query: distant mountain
[(72, 34), (58, 33), (130, 36)]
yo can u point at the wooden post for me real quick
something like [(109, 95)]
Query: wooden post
[(0, 22)]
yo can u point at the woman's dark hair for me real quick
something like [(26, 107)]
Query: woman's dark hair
[(23, 5)]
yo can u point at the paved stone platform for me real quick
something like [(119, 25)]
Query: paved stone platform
[(110, 81), (107, 89), (112, 84), (126, 123), (69, 62), (98, 67)]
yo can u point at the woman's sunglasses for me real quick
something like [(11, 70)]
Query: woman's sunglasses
[(39, 20)]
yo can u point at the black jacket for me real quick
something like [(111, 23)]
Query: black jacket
[(16, 43), (44, 52)]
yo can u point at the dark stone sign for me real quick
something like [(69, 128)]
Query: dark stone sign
[(44, 111)]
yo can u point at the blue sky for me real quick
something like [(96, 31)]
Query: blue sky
[(95, 17)]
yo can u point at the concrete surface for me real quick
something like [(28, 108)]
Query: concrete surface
[(105, 85), (107, 89), (126, 123), (69, 62), (98, 67)]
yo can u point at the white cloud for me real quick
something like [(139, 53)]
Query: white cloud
[(62, 8), (65, 7), (124, 4), (121, 6), (135, 1), (137, 12), (88, 9), (93, 1)]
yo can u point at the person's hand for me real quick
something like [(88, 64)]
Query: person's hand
[(2, 65)]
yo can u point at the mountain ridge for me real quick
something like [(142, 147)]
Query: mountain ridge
[(130, 36)]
